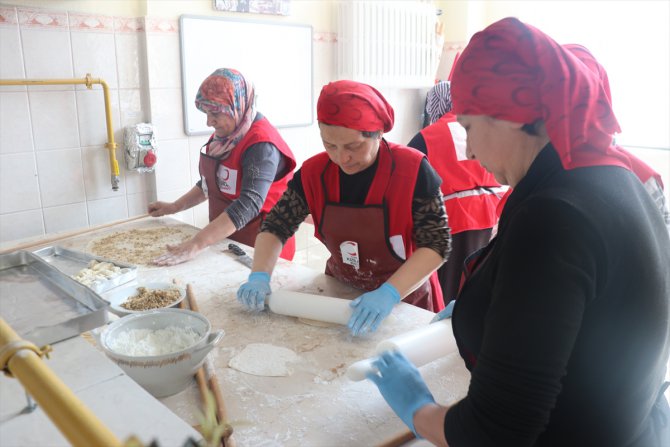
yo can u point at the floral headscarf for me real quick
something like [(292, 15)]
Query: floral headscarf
[(227, 91)]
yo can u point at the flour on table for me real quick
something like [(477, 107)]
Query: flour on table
[(260, 359), (317, 323)]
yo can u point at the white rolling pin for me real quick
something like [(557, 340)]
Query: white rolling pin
[(421, 346), (307, 305)]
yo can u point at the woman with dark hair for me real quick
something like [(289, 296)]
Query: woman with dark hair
[(376, 206)]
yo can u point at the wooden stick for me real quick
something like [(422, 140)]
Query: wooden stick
[(62, 236), (398, 440), (208, 371)]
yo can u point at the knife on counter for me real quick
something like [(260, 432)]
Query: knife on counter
[(241, 256)]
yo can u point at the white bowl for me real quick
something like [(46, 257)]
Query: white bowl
[(167, 374), (118, 296)]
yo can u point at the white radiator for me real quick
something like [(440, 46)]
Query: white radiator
[(387, 43)]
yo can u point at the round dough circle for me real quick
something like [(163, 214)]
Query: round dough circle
[(260, 359)]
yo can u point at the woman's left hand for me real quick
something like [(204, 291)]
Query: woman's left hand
[(178, 253), (371, 308), (401, 386)]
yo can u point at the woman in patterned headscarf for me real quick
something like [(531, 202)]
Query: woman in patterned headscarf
[(562, 319), (244, 168), (376, 206)]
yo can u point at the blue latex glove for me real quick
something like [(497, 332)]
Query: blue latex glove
[(444, 313), (371, 308), (252, 293), (401, 386)]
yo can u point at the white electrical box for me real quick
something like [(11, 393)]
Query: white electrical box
[(140, 147)]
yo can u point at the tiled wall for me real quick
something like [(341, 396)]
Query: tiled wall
[(54, 167)]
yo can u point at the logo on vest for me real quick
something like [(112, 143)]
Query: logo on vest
[(349, 250), (203, 184), (226, 179)]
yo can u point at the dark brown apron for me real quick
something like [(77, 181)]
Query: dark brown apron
[(218, 203), (373, 261)]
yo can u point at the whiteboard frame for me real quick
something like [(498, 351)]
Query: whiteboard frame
[(188, 95)]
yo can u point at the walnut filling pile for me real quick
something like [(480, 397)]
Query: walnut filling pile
[(148, 299)]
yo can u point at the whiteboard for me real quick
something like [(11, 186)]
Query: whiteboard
[(276, 57)]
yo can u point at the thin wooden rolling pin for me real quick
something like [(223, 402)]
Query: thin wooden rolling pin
[(68, 235), (221, 414), (398, 440)]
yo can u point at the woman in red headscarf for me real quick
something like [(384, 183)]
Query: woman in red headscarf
[(562, 319), (376, 206), (244, 168)]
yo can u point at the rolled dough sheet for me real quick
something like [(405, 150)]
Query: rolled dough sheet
[(260, 359)]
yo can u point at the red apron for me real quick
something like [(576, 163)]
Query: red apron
[(218, 202), (357, 236)]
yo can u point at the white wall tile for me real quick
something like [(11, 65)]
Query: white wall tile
[(139, 182), (95, 53), (107, 210), (47, 55), (164, 64), (128, 59), (61, 177), (195, 143), (166, 113), (16, 134), (92, 118), (172, 169), (201, 214), (130, 107), (172, 195), (12, 57), (137, 203), (19, 190), (97, 173), (21, 225), (66, 217), (54, 118)]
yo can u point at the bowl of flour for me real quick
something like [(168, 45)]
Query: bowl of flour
[(161, 349)]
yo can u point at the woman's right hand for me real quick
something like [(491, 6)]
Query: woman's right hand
[(158, 209), (252, 293)]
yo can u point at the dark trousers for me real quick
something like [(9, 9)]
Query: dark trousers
[(462, 245)]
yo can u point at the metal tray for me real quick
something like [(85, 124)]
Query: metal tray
[(44, 305), (71, 262)]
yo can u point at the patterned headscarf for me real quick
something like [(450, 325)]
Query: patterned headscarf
[(354, 105), (515, 72), (438, 101), (227, 91)]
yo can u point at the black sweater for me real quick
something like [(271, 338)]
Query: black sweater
[(564, 324)]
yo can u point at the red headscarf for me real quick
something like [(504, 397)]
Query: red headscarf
[(354, 105), (643, 171), (515, 72)]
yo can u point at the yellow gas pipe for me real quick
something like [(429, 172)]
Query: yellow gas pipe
[(88, 81), (21, 359)]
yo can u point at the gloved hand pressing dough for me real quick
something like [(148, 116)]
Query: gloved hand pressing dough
[(252, 293), (371, 308)]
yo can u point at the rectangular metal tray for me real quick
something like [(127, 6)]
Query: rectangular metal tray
[(44, 305), (71, 262)]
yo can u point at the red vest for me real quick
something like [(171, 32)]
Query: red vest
[(390, 198), (261, 131), (222, 181), (469, 206)]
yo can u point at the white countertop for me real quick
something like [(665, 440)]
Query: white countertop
[(316, 405)]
